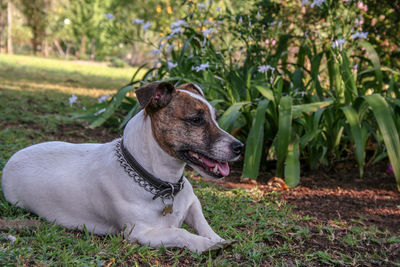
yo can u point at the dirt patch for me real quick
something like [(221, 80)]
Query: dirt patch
[(338, 197), (78, 133), (69, 132)]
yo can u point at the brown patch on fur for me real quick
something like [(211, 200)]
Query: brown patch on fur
[(173, 130), (191, 87)]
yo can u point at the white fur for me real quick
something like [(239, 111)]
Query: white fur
[(77, 185)]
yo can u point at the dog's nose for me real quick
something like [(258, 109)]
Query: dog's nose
[(237, 147)]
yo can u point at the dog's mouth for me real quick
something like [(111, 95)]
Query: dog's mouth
[(212, 167)]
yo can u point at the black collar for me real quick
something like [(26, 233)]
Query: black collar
[(157, 186)]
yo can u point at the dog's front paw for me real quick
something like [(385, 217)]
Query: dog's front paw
[(222, 244)]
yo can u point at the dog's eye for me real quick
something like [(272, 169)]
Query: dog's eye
[(196, 120)]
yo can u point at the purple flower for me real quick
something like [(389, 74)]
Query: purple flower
[(146, 26), (109, 16), (202, 67), (138, 21), (390, 169), (265, 68), (103, 98), (72, 99), (361, 35), (172, 65)]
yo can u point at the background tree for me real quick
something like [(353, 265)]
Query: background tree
[(9, 28), (36, 14), (85, 18), (3, 16)]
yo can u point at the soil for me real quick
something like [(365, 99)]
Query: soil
[(338, 196), (340, 200)]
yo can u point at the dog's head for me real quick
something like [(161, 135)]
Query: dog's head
[(184, 125)]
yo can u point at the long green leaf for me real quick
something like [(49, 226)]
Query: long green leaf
[(387, 127), (138, 71), (230, 116), (315, 64), (135, 109), (284, 132), (357, 136), (292, 165), (113, 105), (254, 143), (373, 56), (297, 77), (266, 92), (348, 77), (310, 107)]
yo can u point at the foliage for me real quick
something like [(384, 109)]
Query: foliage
[(382, 21), (303, 96), (85, 17), (36, 13)]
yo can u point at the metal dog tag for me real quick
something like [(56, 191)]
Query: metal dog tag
[(167, 209)]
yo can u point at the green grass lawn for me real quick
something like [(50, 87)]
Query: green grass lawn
[(34, 107)]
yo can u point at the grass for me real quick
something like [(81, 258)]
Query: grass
[(55, 71), (35, 108)]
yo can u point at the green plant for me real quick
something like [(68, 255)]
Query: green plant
[(313, 95)]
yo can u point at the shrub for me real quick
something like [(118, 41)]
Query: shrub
[(315, 94)]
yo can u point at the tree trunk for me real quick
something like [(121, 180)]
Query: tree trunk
[(2, 26), (82, 49), (92, 49), (45, 48), (132, 60), (59, 48), (67, 51), (9, 28), (35, 41)]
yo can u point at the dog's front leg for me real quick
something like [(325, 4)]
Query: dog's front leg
[(169, 237), (197, 221)]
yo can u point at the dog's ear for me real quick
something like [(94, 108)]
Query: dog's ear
[(191, 87), (155, 95)]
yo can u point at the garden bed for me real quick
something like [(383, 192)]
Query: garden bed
[(338, 196)]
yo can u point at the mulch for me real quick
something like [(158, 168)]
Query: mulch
[(337, 195)]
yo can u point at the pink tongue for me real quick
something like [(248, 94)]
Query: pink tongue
[(209, 163), (223, 167)]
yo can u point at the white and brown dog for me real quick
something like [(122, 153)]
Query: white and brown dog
[(113, 187)]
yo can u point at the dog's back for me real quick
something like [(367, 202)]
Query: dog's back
[(47, 179)]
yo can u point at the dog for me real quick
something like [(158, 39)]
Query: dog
[(134, 184)]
